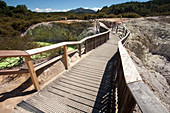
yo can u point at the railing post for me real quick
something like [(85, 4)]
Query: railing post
[(86, 46), (32, 72), (79, 50), (116, 29), (89, 44), (125, 32), (108, 36), (100, 40), (65, 57), (105, 37), (94, 42)]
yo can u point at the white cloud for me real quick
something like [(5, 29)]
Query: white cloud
[(57, 10), (50, 10), (94, 8)]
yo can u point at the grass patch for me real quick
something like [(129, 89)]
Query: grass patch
[(9, 62), (41, 44), (70, 48)]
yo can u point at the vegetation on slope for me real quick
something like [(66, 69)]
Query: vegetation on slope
[(59, 32), (137, 9)]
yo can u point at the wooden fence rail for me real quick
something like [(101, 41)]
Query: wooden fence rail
[(91, 42), (130, 87)]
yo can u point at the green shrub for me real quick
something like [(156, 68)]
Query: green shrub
[(130, 15)]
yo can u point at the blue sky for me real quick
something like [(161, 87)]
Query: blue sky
[(64, 5)]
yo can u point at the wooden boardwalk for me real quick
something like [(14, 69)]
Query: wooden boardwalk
[(85, 87)]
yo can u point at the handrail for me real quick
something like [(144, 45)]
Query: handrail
[(55, 46), (130, 72), (12, 53), (91, 42), (131, 88)]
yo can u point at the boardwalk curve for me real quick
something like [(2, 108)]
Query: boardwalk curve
[(85, 87)]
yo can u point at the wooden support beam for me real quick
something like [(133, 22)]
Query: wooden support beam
[(32, 72), (65, 57), (16, 71)]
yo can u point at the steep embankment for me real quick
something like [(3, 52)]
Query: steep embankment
[(59, 31), (149, 46)]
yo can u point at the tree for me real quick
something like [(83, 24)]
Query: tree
[(160, 2), (3, 5), (101, 15), (20, 9)]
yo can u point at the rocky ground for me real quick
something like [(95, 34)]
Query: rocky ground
[(149, 47)]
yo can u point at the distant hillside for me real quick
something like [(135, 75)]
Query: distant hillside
[(82, 10), (137, 9)]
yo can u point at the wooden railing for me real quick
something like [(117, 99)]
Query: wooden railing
[(129, 85), (90, 43)]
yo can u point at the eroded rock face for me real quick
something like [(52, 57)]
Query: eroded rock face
[(150, 41), (149, 46)]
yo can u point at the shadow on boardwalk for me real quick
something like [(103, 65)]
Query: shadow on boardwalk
[(107, 85)]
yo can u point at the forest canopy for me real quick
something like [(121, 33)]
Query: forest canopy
[(150, 8)]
